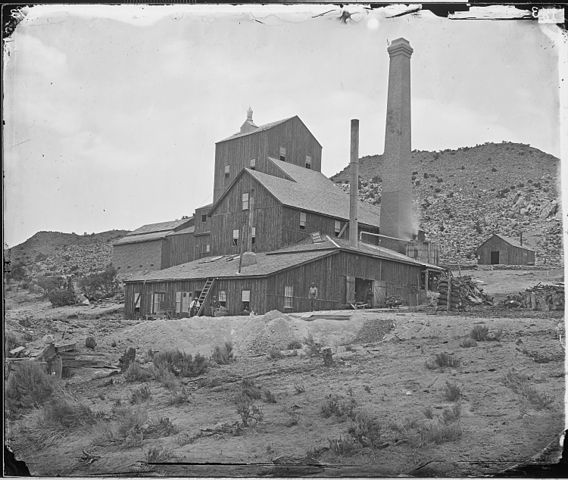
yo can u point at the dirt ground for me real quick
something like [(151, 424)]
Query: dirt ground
[(381, 366)]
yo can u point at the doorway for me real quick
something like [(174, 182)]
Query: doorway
[(495, 257)]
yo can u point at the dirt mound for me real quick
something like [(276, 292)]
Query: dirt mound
[(374, 330), (273, 330)]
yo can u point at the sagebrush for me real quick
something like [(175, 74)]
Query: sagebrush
[(180, 363), (28, 386)]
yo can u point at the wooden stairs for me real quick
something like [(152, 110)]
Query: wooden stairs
[(204, 295)]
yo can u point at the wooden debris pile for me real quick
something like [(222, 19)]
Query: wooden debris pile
[(462, 292), (543, 297)]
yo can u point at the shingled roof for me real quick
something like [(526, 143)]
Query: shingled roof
[(312, 191), (153, 231), (226, 266)]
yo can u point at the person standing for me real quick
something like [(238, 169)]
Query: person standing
[(313, 295)]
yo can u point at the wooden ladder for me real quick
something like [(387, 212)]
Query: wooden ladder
[(204, 294)]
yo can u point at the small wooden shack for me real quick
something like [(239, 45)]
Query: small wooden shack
[(502, 250)]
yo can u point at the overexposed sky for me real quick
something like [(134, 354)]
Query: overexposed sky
[(112, 113)]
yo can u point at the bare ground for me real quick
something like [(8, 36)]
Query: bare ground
[(379, 364)]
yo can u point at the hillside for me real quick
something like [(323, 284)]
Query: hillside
[(467, 194), (56, 253)]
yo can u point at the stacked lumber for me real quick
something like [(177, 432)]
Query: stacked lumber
[(463, 292), (543, 297)]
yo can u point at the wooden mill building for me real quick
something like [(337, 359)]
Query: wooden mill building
[(276, 224), (502, 250)]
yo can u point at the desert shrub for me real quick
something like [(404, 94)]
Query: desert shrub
[(438, 432), (49, 283), (339, 406), (269, 397), (180, 363), (179, 397), (100, 285), (294, 345), (293, 417), (163, 427), (468, 343), (496, 336), (453, 414), (140, 395), (126, 359), (28, 386), (452, 392), (428, 412), (158, 455), (223, 355), (313, 347), (520, 384), (17, 271), (479, 333), (299, 388), (250, 390), (442, 360), (249, 412), (68, 414), (136, 373), (342, 446), (61, 298), (366, 430), (275, 354)]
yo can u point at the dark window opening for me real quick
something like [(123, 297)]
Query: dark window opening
[(203, 218)]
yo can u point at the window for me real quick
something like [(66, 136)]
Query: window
[(227, 171), (158, 301), (308, 161), (137, 302), (246, 299), (253, 235), (302, 220), (182, 302), (253, 163), (288, 296), (207, 248), (337, 228), (203, 218), (222, 298), (245, 201), (235, 238), (282, 154)]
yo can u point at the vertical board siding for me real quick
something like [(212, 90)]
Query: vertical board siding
[(292, 134), (508, 254), (180, 249), (133, 257), (229, 215)]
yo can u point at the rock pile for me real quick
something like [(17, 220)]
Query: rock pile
[(272, 330)]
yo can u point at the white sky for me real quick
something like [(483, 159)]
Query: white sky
[(112, 113)]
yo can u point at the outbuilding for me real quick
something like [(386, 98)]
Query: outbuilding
[(502, 250)]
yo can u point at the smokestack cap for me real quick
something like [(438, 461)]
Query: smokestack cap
[(400, 46)]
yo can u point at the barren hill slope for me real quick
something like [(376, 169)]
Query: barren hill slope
[(467, 194), (56, 253)]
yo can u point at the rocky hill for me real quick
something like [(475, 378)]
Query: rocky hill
[(56, 253), (465, 195)]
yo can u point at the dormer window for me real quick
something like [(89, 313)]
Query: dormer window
[(245, 201), (253, 163), (283, 154), (227, 171), (308, 161)]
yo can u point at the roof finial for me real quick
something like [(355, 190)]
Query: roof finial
[(249, 114)]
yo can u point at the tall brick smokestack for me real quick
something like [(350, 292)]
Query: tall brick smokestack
[(397, 217), (354, 187)]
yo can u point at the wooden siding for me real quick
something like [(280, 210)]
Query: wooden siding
[(508, 254), (229, 216), (201, 226), (133, 257), (178, 249), (292, 233), (233, 289), (293, 135), (330, 273)]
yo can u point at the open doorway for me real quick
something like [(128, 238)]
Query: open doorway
[(359, 291), (495, 257)]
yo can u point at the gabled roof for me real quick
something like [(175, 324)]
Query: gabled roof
[(261, 128), (509, 240), (183, 231), (154, 231), (312, 191), (330, 243), (226, 266)]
